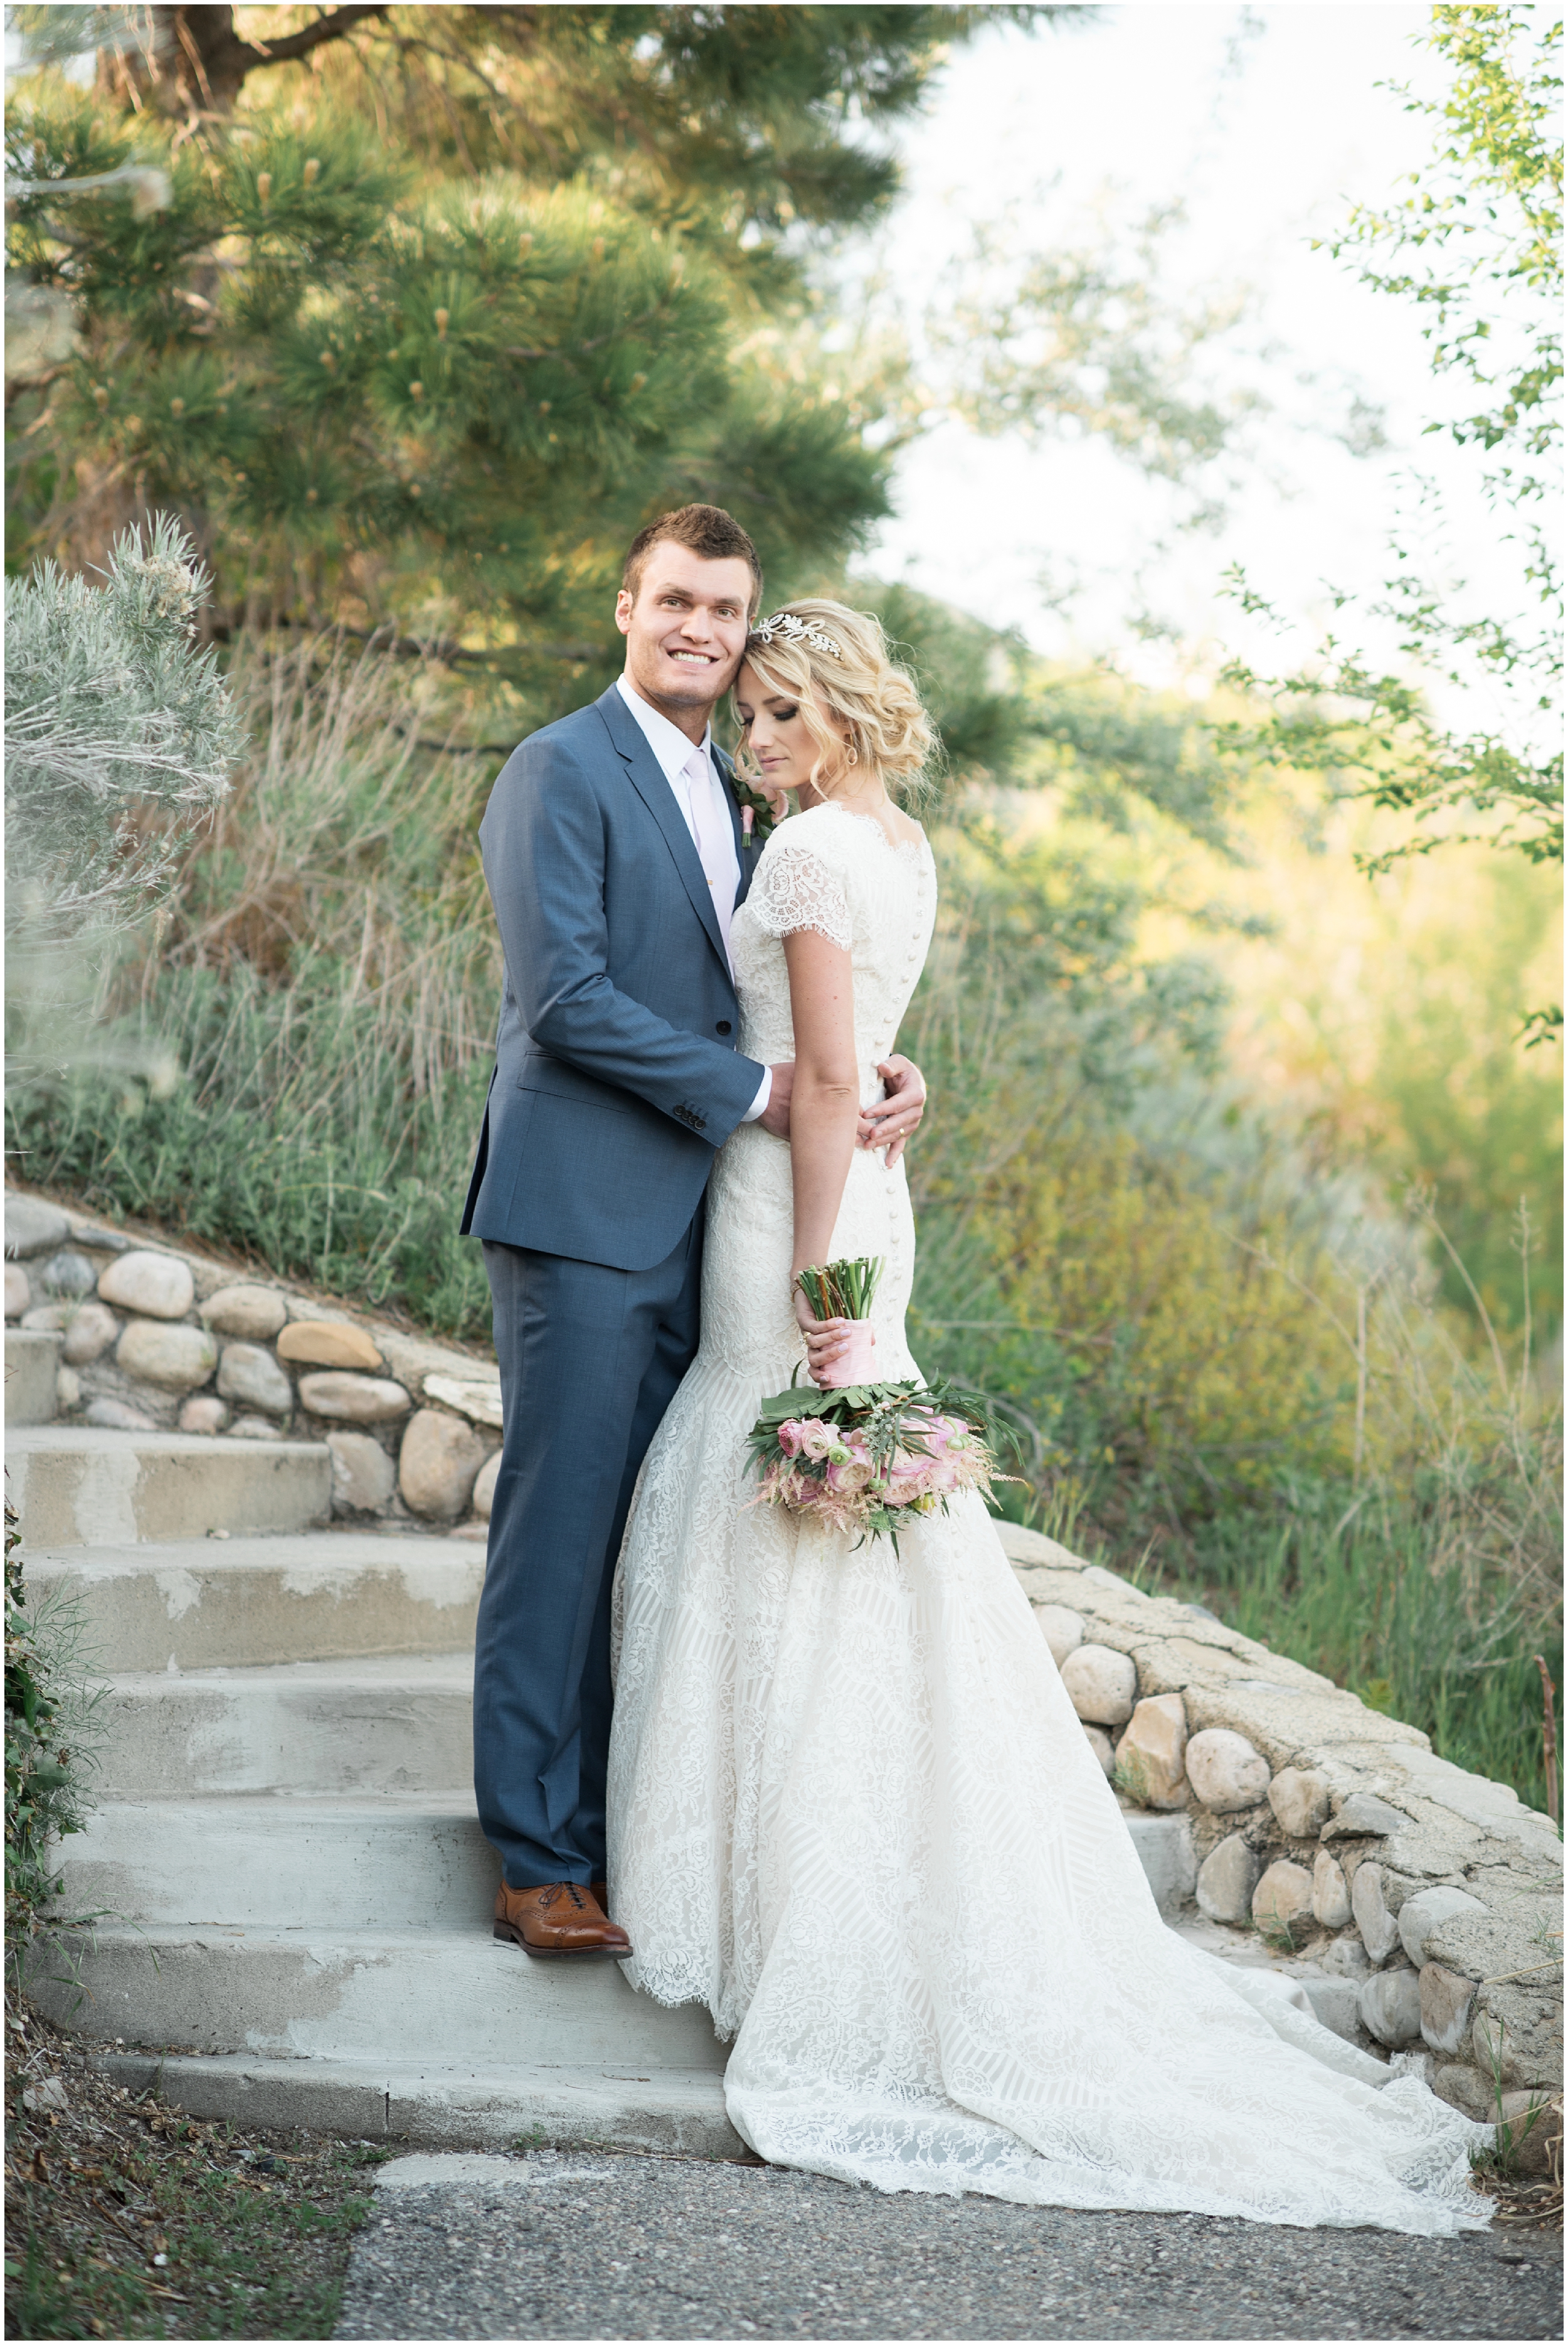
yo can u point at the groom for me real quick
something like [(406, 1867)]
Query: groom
[(614, 857)]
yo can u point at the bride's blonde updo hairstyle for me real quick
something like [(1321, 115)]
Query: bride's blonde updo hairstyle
[(822, 655)]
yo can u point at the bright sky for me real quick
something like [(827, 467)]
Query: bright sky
[(1266, 123)]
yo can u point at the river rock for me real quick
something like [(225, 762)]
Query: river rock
[(437, 1465), (18, 1293), (1149, 1757), (68, 1273), (67, 1391), (477, 1397), (157, 1284), (1419, 1915), (118, 1416), (1300, 1798), (363, 1476), (1457, 2083), (203, 1412), (327, 1344), (1391, 2008), (484, 1488), (353, 1400), (255, 1313), (32, 1227), (176, 1358), (248, 1376), (1346, 1959), (257, 1428), (1226, 1878), (1331, 1891), (44, 1319), (1101, 1684), (1225, 1770), (1447, 2001), (89, 1332), (1062, 1629), (1375, 1920), (1282, 1901), (1102, 1746), (1364, 1816)]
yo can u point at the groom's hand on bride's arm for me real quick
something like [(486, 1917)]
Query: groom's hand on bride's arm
[(889, 1123)]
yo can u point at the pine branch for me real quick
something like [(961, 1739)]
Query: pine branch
[(331, 27)]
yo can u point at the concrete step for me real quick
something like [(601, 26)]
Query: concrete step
[(32, 1364), (1165, 1850), (203, 1604), (282, 1862), (448, 1997), (323, 1728), (355, 1862), (456, 2107), (76, 1487)]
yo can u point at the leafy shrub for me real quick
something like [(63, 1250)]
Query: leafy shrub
[(50, 1754)]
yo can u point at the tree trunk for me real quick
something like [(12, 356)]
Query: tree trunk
[(194, 61)]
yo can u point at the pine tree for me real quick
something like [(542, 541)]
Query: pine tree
[(445, 302)]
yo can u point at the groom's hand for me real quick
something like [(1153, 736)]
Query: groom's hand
[(889, 1123), (774, 1117)]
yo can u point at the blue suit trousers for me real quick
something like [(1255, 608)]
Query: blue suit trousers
[(590, 1359)]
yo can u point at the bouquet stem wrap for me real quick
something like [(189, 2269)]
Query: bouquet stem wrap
[(844, 1290)]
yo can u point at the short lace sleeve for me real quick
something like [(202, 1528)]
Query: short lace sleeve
[(796, 890)]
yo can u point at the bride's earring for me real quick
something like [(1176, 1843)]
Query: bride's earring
[(851, 754)]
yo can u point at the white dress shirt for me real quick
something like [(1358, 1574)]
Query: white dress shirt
[(697, 789)]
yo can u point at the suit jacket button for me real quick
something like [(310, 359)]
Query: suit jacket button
[(723, 1027)]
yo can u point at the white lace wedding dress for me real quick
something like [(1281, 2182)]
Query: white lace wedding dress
[(852, 1809)]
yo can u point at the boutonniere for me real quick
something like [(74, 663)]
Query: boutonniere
[(757, 817)]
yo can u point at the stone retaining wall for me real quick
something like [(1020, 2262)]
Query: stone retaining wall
[(1334, 1834), (1323, 1835), (156, 1337)]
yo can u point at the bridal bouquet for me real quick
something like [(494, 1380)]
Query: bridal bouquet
[(865, 1456)]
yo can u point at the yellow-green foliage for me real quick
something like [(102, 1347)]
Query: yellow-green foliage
[(1214, 1370)]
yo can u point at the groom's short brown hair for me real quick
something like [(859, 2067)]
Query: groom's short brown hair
[(708, 531)]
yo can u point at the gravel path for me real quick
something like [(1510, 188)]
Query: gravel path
[(579, 2245)]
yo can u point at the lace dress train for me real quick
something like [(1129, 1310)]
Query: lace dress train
[(853, 1810)]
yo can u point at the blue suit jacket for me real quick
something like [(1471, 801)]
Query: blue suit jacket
[(616, 1074)]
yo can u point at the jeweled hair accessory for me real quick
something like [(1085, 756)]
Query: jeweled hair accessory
[(796, 630)]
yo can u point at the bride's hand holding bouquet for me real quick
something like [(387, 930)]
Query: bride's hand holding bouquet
[(832, 1309), (862, 1454)]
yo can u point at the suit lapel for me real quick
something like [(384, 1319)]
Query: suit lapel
[(647, 778)]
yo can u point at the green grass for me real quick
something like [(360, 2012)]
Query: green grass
[(307, 1157), (1361, 1600), (248, 2255)]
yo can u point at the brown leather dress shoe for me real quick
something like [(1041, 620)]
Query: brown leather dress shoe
[(601, 1893), (559, 1921)]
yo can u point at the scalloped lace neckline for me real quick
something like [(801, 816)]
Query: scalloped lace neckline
[(893, 846)]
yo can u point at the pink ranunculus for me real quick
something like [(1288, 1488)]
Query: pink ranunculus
[(789, 1437), (817, 1439), (850, 1474), (909, 1477)]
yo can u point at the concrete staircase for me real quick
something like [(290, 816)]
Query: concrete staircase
[(295, 1893)]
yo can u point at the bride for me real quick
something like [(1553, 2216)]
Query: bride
[(851, 1807)]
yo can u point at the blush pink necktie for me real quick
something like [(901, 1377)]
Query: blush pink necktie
[(716, 850)]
